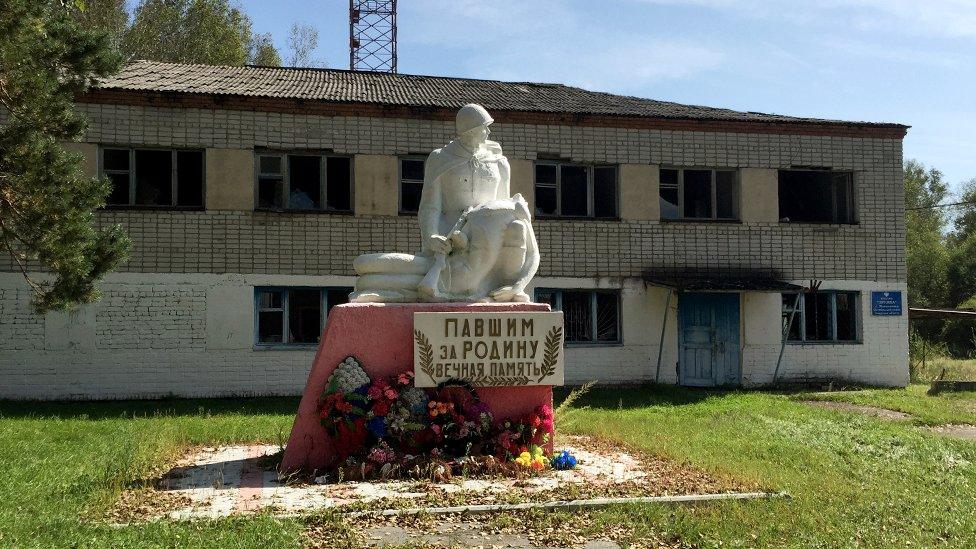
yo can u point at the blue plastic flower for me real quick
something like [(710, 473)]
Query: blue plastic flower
[(563, 461), (377, 426)]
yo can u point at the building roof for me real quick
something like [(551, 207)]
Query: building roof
[(734, 284), (404, 90)]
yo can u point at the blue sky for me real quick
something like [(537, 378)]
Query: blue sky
[(907, 61)]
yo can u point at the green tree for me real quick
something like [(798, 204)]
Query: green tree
[(263, 51), (194, 31), (47, 204), (965, 222), (925, 246), (109, 16)]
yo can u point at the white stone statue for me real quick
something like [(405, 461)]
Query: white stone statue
[(477, 242)]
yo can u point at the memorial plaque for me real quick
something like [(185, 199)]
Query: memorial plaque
[(488, 349)]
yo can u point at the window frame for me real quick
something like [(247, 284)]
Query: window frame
[(401, 180), (557, 306), (851, 198), (800, 319), (736, 198), (590, 189), (284, 344), (283, 155), (174, 171)]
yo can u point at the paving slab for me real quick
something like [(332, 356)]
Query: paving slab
[(212, 482)]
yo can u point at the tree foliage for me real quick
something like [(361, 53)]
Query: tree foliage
[(263, 51), (183, 31), (302, 40), (46, 201), (925, 247), (189, 31), (965, 222)]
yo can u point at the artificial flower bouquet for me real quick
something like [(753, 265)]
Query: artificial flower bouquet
[(383, 428)]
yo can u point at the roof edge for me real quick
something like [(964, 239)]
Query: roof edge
[(325, 107)]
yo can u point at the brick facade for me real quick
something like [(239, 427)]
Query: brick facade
[(178, 317)]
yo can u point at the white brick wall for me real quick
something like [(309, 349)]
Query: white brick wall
[(192, 335)]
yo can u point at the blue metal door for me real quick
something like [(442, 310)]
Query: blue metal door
[(708, 339)]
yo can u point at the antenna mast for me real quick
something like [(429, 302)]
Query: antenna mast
[(372, 35)]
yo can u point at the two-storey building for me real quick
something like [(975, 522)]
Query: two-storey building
[(676, 239)]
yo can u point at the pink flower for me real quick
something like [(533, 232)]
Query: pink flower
[(390, 394), (436, 428)]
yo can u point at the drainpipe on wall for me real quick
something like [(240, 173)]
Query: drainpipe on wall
[(786, 334), (664, 325)]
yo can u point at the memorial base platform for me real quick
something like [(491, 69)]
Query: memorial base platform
[(380, 336)]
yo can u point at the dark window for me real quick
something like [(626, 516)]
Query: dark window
[(589, 316), (294, 316), (338, 179), (821, 316), (271, 182), (605, 191), (189, 178), (572, 190), (304, 316), (546, 189), (411, 184), (699, 194), (304, 182), (577, 310), (816, 196), (115, 166), (154, 177), (669, 195)]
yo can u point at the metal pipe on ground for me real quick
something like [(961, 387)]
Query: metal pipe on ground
[(573, 504)]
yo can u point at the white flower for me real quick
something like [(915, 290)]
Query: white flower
[(349, 376)]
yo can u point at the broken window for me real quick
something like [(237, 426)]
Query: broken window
[(294, 316), (821, 316), (699, 194), (304, 182), (575, 190), (589, 316), (154, 177), (816, 196), (411, 183)]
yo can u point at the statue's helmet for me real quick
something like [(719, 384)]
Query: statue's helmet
[(470, 117)]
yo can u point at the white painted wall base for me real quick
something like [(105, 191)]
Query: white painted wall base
[(156, 335)]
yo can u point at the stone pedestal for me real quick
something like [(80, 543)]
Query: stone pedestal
[(380, 336)]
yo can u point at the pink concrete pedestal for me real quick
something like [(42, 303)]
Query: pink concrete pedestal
[(380, 336)]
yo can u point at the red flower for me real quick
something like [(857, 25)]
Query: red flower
[(343, 406), (382, 407)]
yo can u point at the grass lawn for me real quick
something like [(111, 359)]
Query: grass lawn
[(854, 480), (953, 368)]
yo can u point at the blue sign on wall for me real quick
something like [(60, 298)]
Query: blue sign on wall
[(886, 303)]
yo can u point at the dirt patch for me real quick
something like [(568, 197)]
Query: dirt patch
[(145, 504), (874, 411), (521, 529), (960, 431)]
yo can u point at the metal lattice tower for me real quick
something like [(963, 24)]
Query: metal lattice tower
[(372, 35)]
